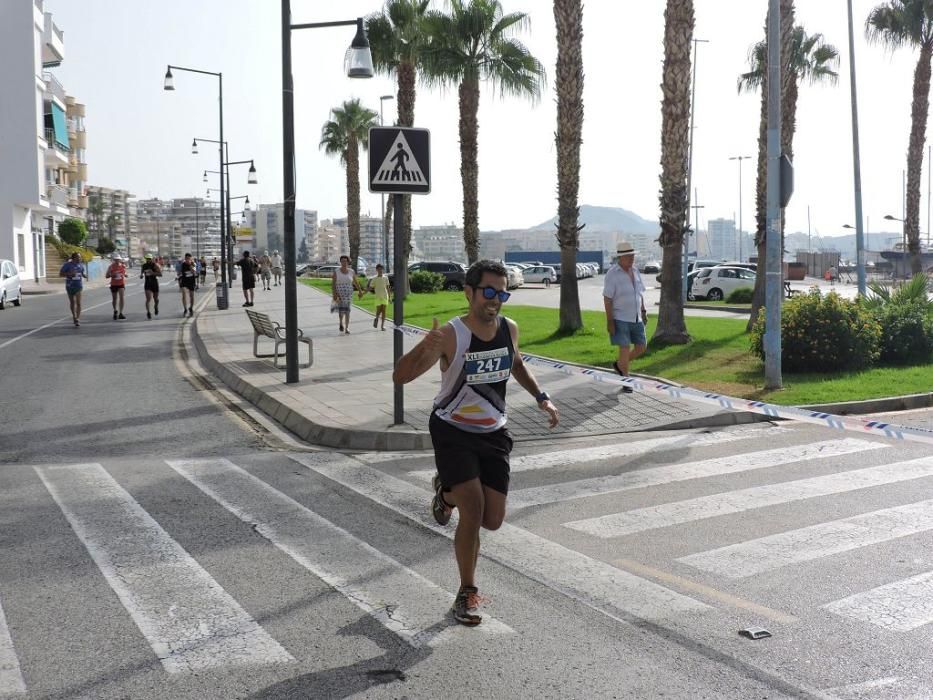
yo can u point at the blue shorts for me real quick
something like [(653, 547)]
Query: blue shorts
[(629, 333)]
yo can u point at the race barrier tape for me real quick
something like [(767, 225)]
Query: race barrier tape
[(851, 423)]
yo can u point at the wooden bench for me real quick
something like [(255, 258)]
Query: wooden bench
[(263, 326)]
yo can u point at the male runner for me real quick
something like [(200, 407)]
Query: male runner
[(478, 352), (187, 281), (151, 272), (74, 274), (117, 275)]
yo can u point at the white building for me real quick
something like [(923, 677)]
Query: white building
[(174, 227), (36, 158), (439, 243), (268, 224), (332, 242), (372, 240), (723, 240)]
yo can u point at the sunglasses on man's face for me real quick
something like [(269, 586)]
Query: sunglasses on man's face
[(492, 293)]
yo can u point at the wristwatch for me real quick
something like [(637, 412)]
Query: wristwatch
[(542, 397)]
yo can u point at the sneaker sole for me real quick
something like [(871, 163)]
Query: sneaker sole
[(441, 514)]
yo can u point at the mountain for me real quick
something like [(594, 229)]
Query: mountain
[(599, 219)]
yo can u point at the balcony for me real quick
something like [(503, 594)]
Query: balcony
[(53, 43), (53, 87), (58, 196)]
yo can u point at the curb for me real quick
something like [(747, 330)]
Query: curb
[(887, 404), (328, 436)]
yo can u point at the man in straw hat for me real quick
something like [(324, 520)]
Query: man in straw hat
[(624, 299)]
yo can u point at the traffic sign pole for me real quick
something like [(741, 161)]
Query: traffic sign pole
[(399, 307)]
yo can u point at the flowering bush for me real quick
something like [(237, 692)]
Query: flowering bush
[(821, 334)]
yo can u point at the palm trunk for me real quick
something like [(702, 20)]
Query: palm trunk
[(568, 16), (675, 119), (406, 117), (469, 166), (352, 159), (761, 206), (918, 126)]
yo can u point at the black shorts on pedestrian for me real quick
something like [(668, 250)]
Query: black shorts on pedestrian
[(461, 456)]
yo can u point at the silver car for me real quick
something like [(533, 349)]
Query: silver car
[(540, 274), (11, 289)]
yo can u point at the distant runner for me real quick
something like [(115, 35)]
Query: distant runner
[(74, 274), (150, 271), (187, 282), (117, 275)]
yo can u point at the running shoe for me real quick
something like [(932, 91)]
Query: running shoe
[(157, 308), (114, 315), (77, 322), (149, 315), (466, 602), (121, 317), (439, 508), (375, 321)]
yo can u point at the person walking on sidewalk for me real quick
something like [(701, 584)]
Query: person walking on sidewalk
[(151, 272), (116, 273), (202, 270), (381, 288), (478, 353), (277, 267), (342, 284), (624, 300), (265, 270), (187, 283), (215, 264), (74, 273), (248, 267)]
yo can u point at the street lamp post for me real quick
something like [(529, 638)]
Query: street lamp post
[(382, 197), (903, 258), (856, 165), (359, 64), (740, 159), (222, 297)]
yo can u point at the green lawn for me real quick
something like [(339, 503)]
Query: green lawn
[(717, 360)]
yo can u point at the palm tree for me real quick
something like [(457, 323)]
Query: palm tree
[(675, 120), (894, 24), (469, 45), (568, 15), (96, 209), (398, 42), (343, 135), (811, 60)]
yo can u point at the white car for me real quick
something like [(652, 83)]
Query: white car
[(11, 288), (540, 274), (516, 278), (717, 283)]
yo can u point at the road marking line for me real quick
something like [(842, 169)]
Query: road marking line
[(814, 542), (858, 688), (190, 622), (11, 677), (732, 502), (553, 493), (52, 323), (901, 606), (617, 451), (399, 598), (594, 583), (708, 591)]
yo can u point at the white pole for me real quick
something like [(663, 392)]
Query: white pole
[(773, 287)]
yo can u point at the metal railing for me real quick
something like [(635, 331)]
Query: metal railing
[(58, 194), (50, 138), (54, 86)]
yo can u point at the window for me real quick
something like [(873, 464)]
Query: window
[(729, 274)]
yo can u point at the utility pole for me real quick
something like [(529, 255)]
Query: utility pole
[(773, 286), (693, 91), (740, 159), (696, 218), (857, 166)]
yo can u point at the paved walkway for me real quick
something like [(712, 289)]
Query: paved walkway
[(345, 399)]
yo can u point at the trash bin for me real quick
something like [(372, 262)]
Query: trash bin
[(222, 300)]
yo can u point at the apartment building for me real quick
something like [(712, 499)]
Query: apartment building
[(444, 242), (332, 242), (111, 213), (267, 222), (723, 240), (372, 240), (174, 227), (40, 172)]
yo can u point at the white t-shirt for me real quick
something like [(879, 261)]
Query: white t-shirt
[(276, 261), (627, 293)]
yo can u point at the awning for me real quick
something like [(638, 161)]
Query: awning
[(58, 124)]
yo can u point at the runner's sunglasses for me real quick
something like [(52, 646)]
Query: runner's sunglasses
[(492, 293)]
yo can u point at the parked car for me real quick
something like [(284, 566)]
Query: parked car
[(746, 265), (325, 271), (540, 274), (454, 273), (651, 267), (11, 288), (516, 278), (593, 266), (582, 271), (716, 283), (556, 267)]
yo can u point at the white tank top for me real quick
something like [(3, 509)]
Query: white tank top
[(472, 395)]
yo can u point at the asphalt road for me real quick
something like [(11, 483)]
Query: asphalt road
[(153, 547)]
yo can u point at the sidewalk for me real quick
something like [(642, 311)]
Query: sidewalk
[(345, 400)]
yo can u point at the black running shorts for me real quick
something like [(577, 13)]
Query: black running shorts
[(461, 456)]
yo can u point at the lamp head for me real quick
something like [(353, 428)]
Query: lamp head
[(359, 59), (251, 178), (194, 147), (245, 206), (888, 217), (205, 176), (169, 83)]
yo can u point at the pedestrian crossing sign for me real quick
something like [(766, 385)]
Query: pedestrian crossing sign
[(399, 160)]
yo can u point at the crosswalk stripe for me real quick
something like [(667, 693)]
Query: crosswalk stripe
[(190, 622), (603, 587), (11, 677), (553, 493), (402, 600), (619, 450), (901, 606), (814, 542), (742, 500)]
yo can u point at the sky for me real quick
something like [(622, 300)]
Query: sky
[(139, 135)]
